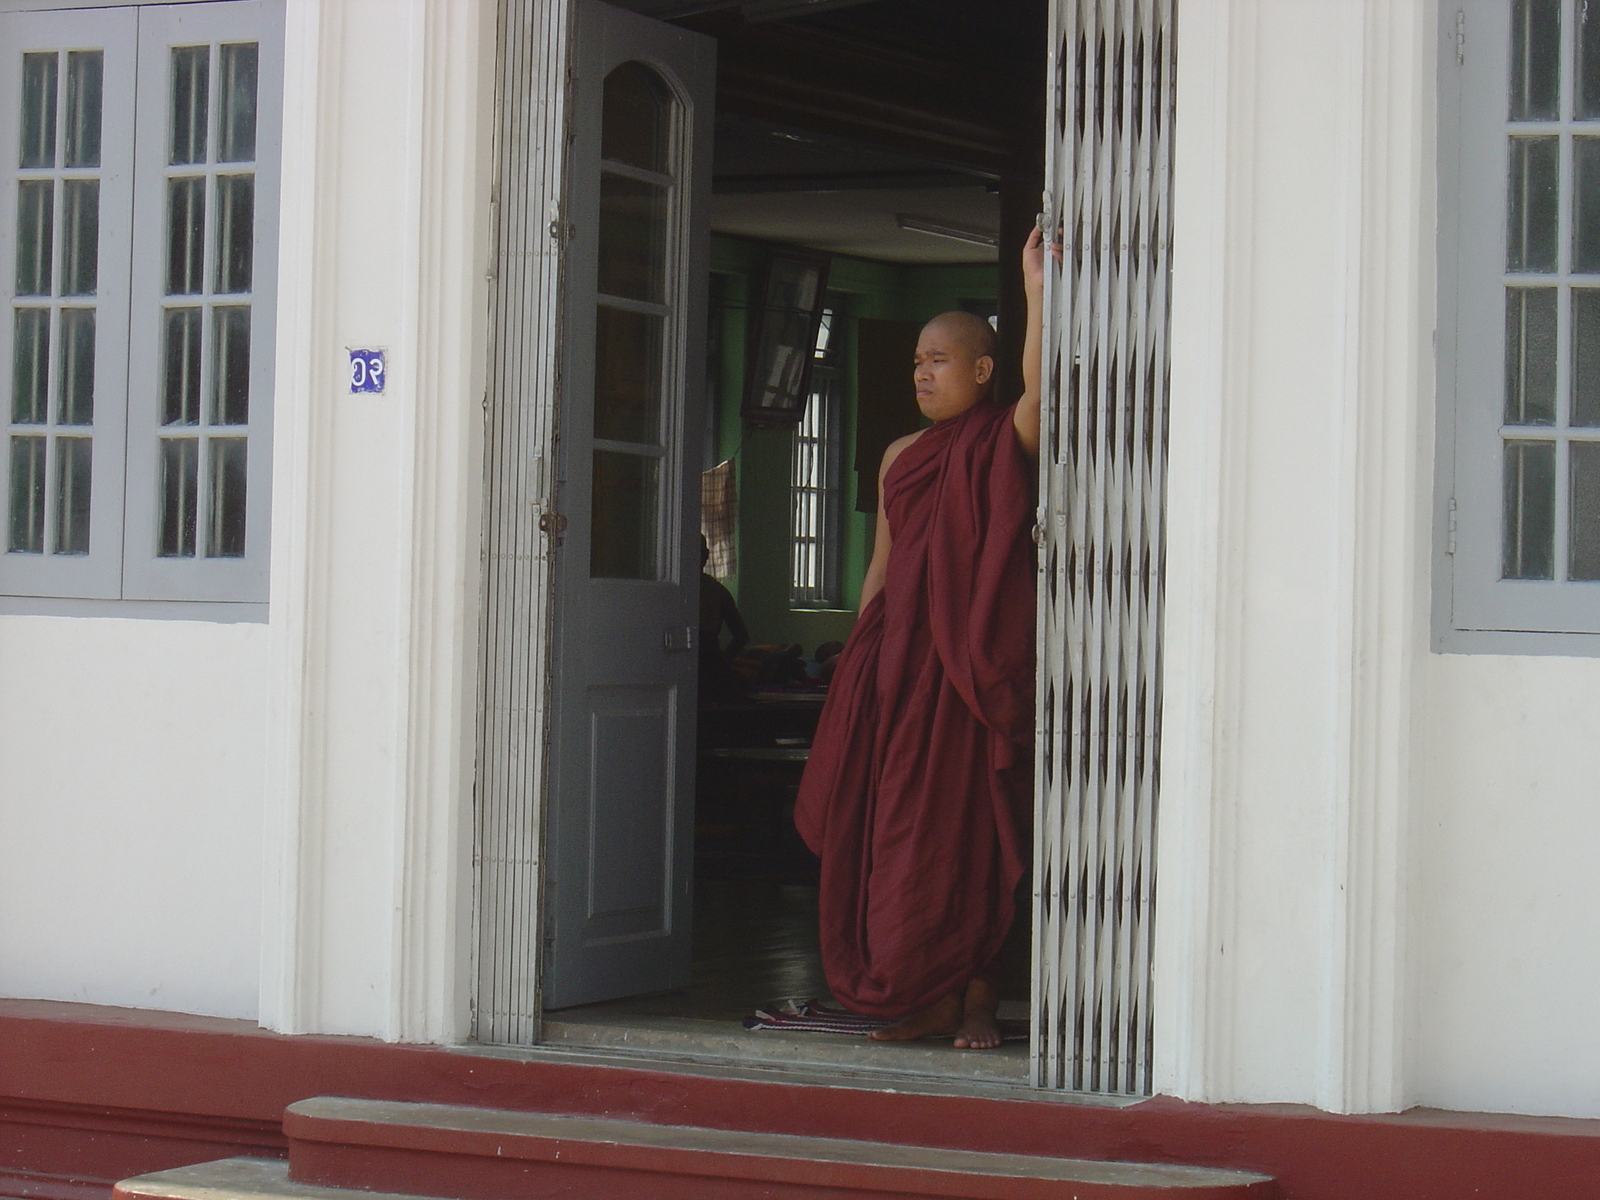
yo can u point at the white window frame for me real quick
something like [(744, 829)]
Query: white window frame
[(123, 574)]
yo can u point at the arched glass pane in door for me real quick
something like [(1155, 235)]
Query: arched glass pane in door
[(634, 320)]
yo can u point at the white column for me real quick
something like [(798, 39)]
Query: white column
[(387, 114), (1300, 461)]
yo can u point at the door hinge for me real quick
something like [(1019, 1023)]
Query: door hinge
[(678, 637), (1450, 529), (1461, 37)]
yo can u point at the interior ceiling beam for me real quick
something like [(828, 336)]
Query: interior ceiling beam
[(752, 10), (894, 99), (751, 185)]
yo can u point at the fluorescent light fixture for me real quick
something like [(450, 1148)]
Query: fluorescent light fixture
[(947, 229)]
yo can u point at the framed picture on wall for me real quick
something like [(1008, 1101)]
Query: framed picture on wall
[(786, 317)]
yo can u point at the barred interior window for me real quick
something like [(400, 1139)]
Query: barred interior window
[(814, 481)]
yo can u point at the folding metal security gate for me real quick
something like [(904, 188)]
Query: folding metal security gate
[(519, 519), (1108, 172)]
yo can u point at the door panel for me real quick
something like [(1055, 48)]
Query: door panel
[(627, 568), (631, 752)]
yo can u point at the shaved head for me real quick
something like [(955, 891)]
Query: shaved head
[(974, 334), (954, 365)]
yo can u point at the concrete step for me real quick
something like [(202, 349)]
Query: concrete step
[(487, 1154), (233, 1179)]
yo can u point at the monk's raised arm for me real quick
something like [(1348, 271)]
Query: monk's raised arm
[(877, 569), (1027, 415)]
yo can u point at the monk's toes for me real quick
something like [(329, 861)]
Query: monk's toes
[(977, 1039)]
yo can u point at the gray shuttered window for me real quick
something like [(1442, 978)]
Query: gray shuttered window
[(1518, 505), (138, 253)]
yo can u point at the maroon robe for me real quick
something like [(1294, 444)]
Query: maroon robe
[(916, 793)]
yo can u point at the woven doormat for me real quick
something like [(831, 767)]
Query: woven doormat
[(809, 1016)]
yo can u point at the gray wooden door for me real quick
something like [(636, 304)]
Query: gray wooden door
[(621, 831)]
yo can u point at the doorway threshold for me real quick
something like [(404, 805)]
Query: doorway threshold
[(701, 1040)]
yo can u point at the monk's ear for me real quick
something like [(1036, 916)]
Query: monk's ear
[(983, 369)]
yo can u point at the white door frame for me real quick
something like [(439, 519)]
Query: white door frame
[(1093, 952)]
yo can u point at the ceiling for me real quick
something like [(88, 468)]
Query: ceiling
[(778, 183), (862, 223), (836, 116)]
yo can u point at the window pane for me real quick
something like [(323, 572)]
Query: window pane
[(1530, 356), (180, 462), (27, 495), (627, 376), (236, 196), (793, 285), (186, 229), (633, 227), (84, 71), (38, 111), (181, 386), (824, 333), (622, 537), (1585, 356), (1528, 525), (30, 366), (74, 456), (230, 400), (1535, 59), (781, 359), (191, 75), (35, 235), (225, 535), (1584, 556), (1586, 204), (77, 366), (80, 237), (636, 118), (1532, 204), (236, 122), (1589, 61)]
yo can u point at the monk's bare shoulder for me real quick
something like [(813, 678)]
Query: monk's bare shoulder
[(894, 450)]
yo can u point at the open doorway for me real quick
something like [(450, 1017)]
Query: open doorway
[(899, 142)]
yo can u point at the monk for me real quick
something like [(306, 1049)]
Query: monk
[(917, 792)]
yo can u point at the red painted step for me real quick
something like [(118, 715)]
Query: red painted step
[(488, 1154)]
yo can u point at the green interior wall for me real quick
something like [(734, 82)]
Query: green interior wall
[(871, 289)]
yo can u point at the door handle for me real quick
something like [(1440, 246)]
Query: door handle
[(677, 637)]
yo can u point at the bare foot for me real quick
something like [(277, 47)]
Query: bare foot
[(978, 1029), (940, 1018)]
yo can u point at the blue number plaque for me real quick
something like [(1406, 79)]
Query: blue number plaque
[(366, 371)]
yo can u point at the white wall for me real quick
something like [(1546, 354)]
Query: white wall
[(274, 821), (376, 525), (1506, 889), (131, 759), (1377, 876), (1297, 490)]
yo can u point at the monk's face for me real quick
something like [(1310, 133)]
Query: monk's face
[(951, 374)]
